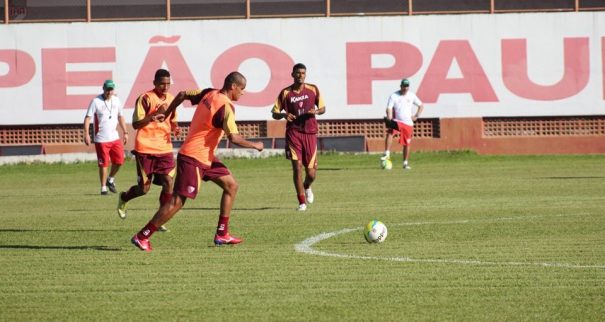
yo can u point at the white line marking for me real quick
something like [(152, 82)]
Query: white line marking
[(306, 247)]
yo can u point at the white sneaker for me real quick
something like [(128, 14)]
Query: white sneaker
[(385, 157), (406, 167), (302, 207), (309, 195)]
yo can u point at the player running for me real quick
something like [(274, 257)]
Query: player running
[(153, 143), (196, 161)]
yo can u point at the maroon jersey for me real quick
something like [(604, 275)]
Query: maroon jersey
[(299, 103)]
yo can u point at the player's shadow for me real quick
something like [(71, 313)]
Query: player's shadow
[(21, 230), (571, 178), (234, 209), (36, 247)]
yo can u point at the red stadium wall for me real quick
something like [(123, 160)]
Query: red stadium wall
[(543, 135)]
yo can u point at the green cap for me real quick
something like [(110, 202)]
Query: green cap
[(405, 82), (109, 84)]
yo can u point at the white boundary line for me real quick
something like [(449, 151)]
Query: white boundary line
[(306, 246)]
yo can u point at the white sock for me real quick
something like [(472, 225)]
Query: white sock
[(104, 188), (405, 162), (387, 153), (110, 179)]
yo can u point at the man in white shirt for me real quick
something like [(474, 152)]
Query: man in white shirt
[(108, 113), (400, 119)]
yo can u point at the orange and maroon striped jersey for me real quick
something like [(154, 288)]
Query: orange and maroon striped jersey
[(299, 103), (214, 116), (153, 138)]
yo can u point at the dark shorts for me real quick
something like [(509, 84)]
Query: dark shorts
[(190, 173), (303, 147), (150, 165), (110, 151)]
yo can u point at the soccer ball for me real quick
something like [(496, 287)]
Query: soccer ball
[(386, 164), (375, 232)]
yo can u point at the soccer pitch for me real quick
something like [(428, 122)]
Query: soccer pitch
[(474, 238)]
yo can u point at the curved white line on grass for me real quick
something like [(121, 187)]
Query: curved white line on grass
[(306, 247)]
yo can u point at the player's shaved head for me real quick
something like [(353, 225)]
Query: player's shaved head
[(236, 78)]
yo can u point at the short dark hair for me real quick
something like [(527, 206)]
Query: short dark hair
[(299, 66), (160, 73), (234, 78)]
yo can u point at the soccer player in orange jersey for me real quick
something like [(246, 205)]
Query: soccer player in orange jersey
[(196, 161), (153, 143), (300, 102)]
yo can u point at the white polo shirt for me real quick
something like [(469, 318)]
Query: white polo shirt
[(403, 105), (105, 117)]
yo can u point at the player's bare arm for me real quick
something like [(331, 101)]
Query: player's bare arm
[(193, 96), (122, 122), (317, 111), (239, 140), (288, 116), (418, 112), (157, 116), (86, 128)]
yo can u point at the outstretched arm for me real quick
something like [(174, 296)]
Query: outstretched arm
[(239, 140), (178, 99)]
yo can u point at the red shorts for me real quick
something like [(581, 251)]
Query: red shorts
[(405, 133), (107, 151), (303, 147), (149, 165), (190, 172)]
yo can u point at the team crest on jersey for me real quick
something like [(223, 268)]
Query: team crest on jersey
[(300, 104), (295, 99)]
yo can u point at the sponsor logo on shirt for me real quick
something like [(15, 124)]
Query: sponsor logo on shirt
[(295, 99)]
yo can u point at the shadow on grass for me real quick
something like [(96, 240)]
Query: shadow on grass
[(24, 230), (234, 209), (34, 247), (570, 178)]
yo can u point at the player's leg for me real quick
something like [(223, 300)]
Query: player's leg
[(295, 153), (103, 178), (405, 140), (230, 188), (166, 181), (297, 169), (310, 174), (162, 216), (168, 210), (388, 142), (186, 186), (406, 156), (103, 160), (144, 176), (310, 163), (116, 154)]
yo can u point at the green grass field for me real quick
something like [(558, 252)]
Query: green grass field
[(490, 238)]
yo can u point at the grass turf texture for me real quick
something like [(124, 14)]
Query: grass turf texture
[(479, 229)]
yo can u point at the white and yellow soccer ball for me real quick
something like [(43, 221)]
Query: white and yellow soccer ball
[(375, 232), (386, 164)]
